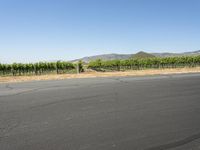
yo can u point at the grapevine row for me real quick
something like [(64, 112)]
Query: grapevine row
[(137, 64), (37, 68)]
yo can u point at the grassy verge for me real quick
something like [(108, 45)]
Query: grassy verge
[(91, 74)]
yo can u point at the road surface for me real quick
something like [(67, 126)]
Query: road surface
[(121, 113)]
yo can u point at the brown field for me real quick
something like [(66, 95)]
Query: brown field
[(92, 74)]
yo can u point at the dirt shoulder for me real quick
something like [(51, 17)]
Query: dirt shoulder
[(93, 74)]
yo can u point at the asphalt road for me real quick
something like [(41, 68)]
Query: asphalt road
[(125, 113)]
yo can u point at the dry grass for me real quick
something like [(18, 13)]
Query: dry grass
[(93, 74)]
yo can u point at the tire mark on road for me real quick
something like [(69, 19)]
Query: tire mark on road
[(66, 100), (9, 87), (176, 143), (31, 90)]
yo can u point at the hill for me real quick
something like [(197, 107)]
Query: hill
[(142, 54), (192, 53), (104, 57)]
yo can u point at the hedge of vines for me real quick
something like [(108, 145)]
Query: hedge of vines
[(36, 68), (137, 64)]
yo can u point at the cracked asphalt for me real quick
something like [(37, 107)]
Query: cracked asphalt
[(119, 113)]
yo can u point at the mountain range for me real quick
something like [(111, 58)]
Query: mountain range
[(113, 56)]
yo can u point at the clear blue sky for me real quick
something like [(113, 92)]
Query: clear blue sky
[(33, 30)]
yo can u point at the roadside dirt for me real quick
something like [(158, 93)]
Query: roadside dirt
[(93, 74)]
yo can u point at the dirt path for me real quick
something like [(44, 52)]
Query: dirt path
[(99, 74)]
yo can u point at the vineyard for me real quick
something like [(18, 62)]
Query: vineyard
[(61, 67), (146, 63), (39, 68)]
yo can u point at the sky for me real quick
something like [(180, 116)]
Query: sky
[(46, 30)]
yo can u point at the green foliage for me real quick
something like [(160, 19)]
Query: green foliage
[(80, 66), (35, 68), (145, 63)]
